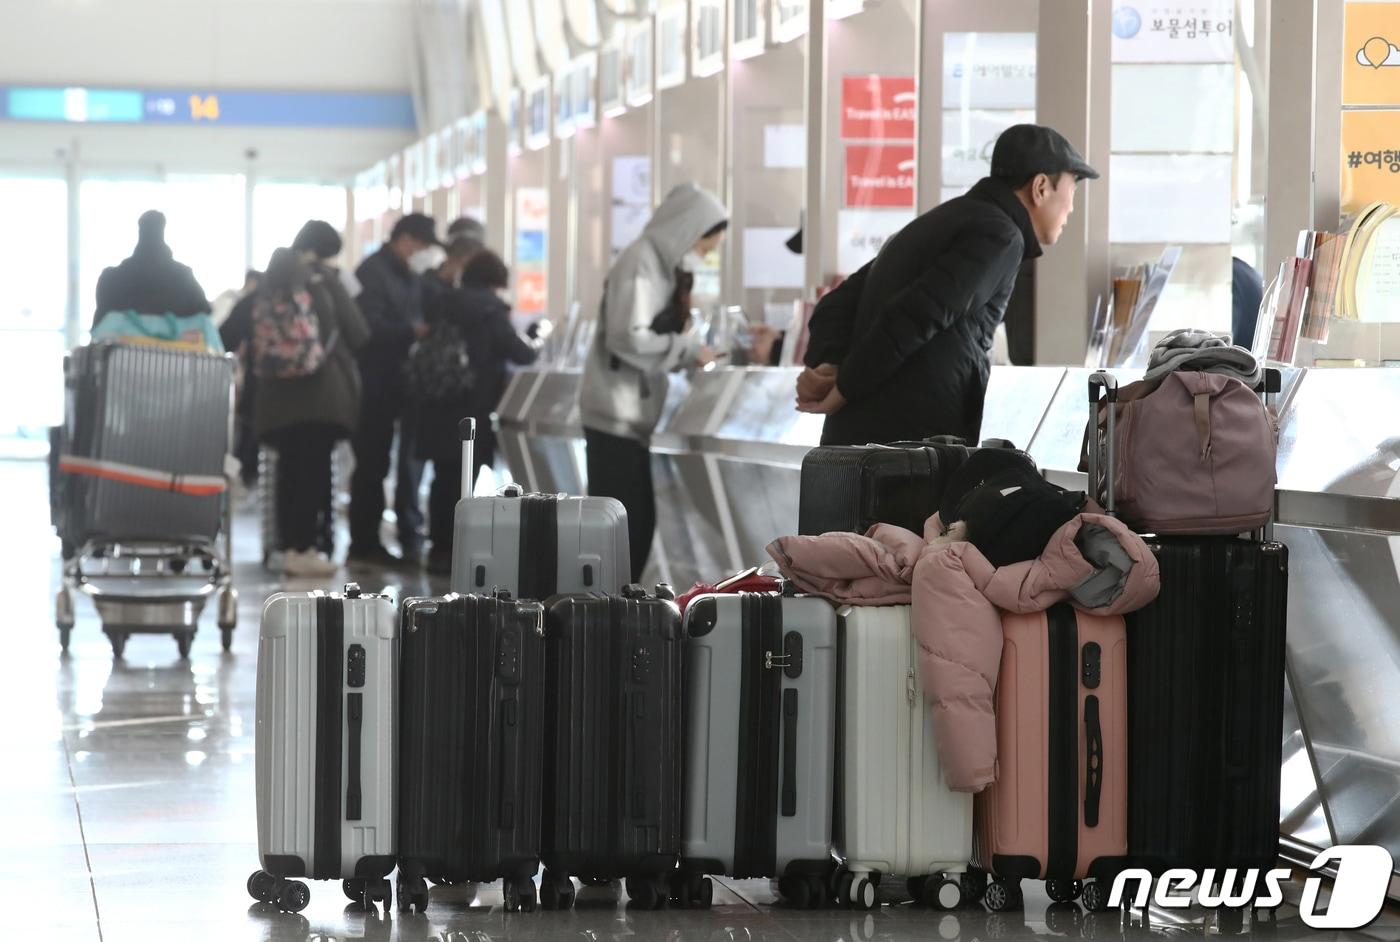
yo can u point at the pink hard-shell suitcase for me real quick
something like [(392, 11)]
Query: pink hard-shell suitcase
[(1058, 810)]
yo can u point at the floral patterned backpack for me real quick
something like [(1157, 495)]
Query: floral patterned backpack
[(287, 336)]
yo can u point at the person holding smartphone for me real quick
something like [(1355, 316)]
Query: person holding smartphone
[(642, 336)]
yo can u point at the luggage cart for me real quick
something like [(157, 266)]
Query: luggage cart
[(151, 588), (149, 546)]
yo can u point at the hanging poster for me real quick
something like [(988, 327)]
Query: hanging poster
[(1370, 158), (880, 175), (1198, 31), (878, 108), (531, 250), (1371, 54)]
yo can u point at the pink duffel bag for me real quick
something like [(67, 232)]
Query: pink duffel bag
[(1195, 454)]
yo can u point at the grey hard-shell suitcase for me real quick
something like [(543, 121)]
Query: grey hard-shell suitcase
[(145, 437), (536, 545), (760, 744), (326, 745)]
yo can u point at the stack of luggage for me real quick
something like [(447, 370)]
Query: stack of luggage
[(138, 473), (965, 678)]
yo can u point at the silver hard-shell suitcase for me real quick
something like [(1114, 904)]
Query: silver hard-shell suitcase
[(141, 410), (327, 729), (895, 813), (760, 743), (536, 545)]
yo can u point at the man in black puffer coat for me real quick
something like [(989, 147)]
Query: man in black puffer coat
[(901, 349), (150, 281)]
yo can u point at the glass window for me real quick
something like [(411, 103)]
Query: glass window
[(1172, 170), (281, 209), (988, 85), (33, 302)]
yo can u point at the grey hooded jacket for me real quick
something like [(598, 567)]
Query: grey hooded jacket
[(624, 379)]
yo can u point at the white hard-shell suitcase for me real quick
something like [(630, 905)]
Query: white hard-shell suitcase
[(535, 546), (327, 729), (760, 744), (895, 814)]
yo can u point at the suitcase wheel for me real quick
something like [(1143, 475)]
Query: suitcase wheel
[(519, 895), (1002, 896), (412, 893), (1095, 897), (802, 892), (556, 890), (290, 896), (262, 886), (861, 893), (974, 885), (293, 896), (647, 892), (690, 890), (942, 893), (1064, 891)]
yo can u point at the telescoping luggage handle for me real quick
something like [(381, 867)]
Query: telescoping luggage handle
[(1108, 384), (467, 429)]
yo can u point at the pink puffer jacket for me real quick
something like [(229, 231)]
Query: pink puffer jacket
[(958, 598), (850, 569)]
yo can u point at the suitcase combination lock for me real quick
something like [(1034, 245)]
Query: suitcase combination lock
[(790, 659)]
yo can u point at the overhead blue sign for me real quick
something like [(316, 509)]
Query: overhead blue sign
[(381, 110)]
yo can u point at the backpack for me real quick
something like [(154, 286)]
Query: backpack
[(287, 336), (439, 367)]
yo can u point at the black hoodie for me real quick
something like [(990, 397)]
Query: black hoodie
[(912, 330)]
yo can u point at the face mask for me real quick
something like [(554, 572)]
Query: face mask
[(692, 261), (425, 260)]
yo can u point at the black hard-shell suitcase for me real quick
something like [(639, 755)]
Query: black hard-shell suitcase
[(1205, 706), (470, 745), (852, 487), (613, 707)]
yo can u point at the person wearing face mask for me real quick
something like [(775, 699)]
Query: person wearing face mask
[(443, 279), (625, 376), (900, 350), (391, 300), (475, 320)]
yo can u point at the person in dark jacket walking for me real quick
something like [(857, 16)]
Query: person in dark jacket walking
[(304, 417), (901, 349), (150, 281), (391, 301), (475, 316)]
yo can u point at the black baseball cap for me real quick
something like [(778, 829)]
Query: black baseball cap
[(1024, 150), (418, 226)]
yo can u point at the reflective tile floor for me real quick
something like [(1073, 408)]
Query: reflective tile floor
[(126, 802)]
